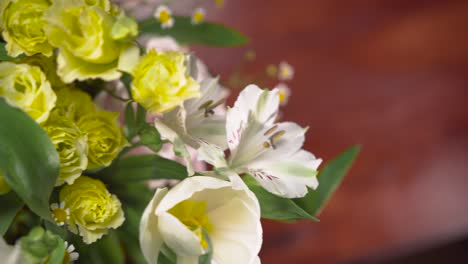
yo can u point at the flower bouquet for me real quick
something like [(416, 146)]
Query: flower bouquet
[(93, 122)]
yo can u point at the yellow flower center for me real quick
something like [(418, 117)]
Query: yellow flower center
[(219, 2), (193, 215), (198, 17), (285, 72), (60, 215), (282, 96), (164, 17)]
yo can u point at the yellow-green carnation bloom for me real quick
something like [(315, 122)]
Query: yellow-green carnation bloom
[(27, 88), (93, 210), (48, 66), (73, 103), (71, 145), (161, 82), (4, 187), (22, 23), (105, 137), (81, 30)]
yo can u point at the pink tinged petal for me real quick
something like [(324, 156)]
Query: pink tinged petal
[(289, 178)]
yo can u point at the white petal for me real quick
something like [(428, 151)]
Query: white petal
[(187, 259), (236, 120), (263, 103), (178, 237), (187, 188), (150, 238), (237, 232), (285, 146), (289, 177), (10, 254), (256, 260), (212, 154), (211, 129), (178, 143)]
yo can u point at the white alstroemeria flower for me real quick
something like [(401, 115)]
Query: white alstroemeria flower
[(10, 254), (198, 119), (271, 152), (164, 15), (181, 217)]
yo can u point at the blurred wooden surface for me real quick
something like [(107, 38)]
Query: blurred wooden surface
[(391, 75)]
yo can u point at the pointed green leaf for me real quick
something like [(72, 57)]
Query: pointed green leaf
[(130, 128), (275, 207), (206, 33), (329, 178), (28, 159), (10, 205), (141, 168)]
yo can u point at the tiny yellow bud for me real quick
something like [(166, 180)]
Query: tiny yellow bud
[(271, 70)]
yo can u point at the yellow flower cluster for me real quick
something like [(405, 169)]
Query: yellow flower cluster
[(93, 37), (85, 136)]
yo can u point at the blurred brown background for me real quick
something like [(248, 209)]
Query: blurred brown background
[(391, 75)]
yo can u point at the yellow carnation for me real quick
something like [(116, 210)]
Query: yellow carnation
[(22, 25), (71, 145), (105, 137), (82, 31), (161, 83), (27, 88), (73, 103), (93, 210)]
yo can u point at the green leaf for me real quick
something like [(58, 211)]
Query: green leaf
[(28, 159), (275, 207), (105, 250), (130, 128), (329, 178), (141, 117), (206, 33), (150, 137), (126, 79), (129, 235), (4, 54), (167, 256), (11, 204), (206, 258), (142, 167), (57, 255)]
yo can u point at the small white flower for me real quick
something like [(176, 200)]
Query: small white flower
[(198, 16), (164, 15), (271, 152), (181, 218), (72, 255), (283, 92), (199, 119), (60, 214), (285, 71)]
